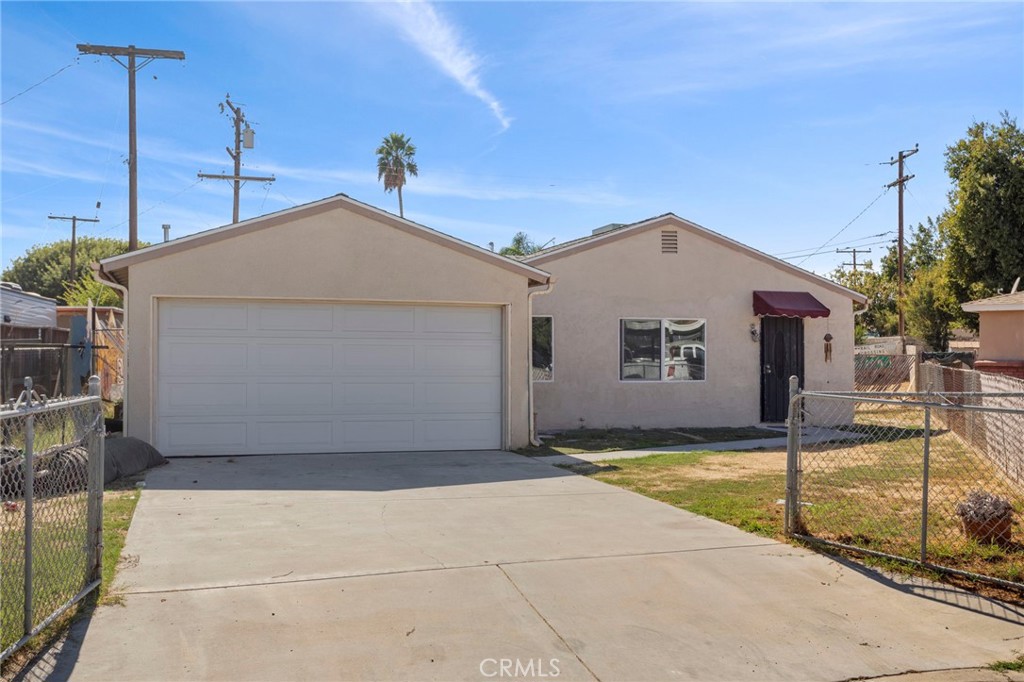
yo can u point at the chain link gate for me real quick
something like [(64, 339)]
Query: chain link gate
[(51, 523), (934, 478)]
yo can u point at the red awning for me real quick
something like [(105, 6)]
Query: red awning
[(788, 304)]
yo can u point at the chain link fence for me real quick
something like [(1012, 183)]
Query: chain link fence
[(882, 372), (935, 478), (51, 485)]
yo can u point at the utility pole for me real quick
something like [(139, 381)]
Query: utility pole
[(899, 183), (74, 228), (131, 52), (243, 137), (854, 252)]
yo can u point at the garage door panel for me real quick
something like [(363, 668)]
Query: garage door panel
[(185, 397), (373, 435), (182, 316), (445, 434), (294, 435), (465, 396), (376, 319), (206, 436), (279, 377), (306, 318), (294, 395), (366, 397), (378, 358), (294, 357), (462, 359)]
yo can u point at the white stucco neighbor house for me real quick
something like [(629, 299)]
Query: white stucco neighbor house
[(329, 327), (665, 323)]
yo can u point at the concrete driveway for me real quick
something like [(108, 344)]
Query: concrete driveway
[(488, 565)]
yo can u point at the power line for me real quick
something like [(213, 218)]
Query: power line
[(159, 203), (878, 243), (865, 210), (33, 87), (798, 252)]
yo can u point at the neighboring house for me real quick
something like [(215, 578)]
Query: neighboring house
[(1000, 333), (664, 323), (31, 344), (329, 327)]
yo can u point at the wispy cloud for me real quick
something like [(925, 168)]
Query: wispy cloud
[(13, 164), (738, 46), (439, 39)]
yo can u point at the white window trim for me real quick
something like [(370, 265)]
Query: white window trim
[(552, 379), (662, 380)]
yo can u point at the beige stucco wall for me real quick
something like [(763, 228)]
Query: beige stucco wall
[(631, 278), (334, 256), (1001, 335)]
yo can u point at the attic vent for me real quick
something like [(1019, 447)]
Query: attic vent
[(669, 241)]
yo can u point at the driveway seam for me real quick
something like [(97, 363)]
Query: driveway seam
[(442, 567), (546, 622)]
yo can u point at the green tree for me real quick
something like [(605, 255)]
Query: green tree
[(984, 225), (931, 309), (44, 269), (923, 250), (395, 162), (881, 316), (81, 291), (521, 245)]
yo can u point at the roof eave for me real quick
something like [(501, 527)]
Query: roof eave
[(972, 307), (670, 218), (117, 267)]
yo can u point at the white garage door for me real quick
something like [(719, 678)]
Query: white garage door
[(240, 377)]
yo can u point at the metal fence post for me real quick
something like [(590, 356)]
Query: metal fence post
[(924, 485), (95, 440), (792, 457), (29, 486)]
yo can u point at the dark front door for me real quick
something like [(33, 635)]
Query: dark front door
[(782, 356)]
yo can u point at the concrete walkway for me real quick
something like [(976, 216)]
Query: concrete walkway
[(456, 566), (809, 434)]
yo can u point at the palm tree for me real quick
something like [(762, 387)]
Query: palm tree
[(395, 161)]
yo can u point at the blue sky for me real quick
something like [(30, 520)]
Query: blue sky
[(765, 122)]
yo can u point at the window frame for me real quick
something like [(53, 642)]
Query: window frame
[(661, 355), (552, 328)]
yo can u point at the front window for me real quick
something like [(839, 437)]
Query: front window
[(663, 350), (543, 366)]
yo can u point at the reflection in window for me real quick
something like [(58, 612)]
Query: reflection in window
[(543, 367), (663, 350), (641, 349)]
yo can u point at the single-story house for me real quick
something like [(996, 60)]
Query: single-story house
[(338, 327), (329, 327), (1000, 333), (665, 323)]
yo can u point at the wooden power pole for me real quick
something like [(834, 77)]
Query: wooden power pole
[(854, 252), (131, 52), (74, 228), (243, 137), (899, 183)]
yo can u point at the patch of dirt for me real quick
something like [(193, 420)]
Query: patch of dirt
[(719, 467)]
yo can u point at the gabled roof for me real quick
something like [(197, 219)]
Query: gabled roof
[(116, 267), (1002, 303), (672, 220)]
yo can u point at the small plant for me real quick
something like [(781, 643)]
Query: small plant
[(986, 517)]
